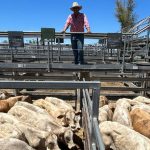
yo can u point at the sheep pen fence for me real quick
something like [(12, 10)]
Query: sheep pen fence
[(88, 104)]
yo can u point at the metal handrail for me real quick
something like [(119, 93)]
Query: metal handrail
[(37, 34), (142, 30), (28, 34), (139, 23)]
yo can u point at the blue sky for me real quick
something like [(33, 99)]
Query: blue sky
[(31, 15)]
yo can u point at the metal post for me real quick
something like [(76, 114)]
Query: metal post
[(147, 42), (148, 83), (78, 100), (15, 91), (38, 53), (111, 52), (123, 61), (132, 49), (43, 44), (95, 110), (95, 101), (143, 84), (98, 136), (59, 49), (51, 51), (104, 51), (37, 41), (12, 54), (48, 57), (119, 55), (81, 96)]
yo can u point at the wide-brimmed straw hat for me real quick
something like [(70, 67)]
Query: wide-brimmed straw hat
[(75, 4)]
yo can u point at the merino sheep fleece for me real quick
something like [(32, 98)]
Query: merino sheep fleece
[(40, 121), (121, 113), (143, 107), (31, 107), (142, 100), (122, 137), (141, 121), (105, 114), (7, 118), (38, 138), (61, 104), (28, 116), (12, 128), (8, 130), (52, 109), (13, 144)]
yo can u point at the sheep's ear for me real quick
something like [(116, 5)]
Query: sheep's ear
[(129, 108), (107, 139), (60, 116), (112, 106)]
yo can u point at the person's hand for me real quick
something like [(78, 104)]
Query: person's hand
[(88, 31), (63, 31)]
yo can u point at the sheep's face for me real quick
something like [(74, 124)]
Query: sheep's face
[(107, 139)]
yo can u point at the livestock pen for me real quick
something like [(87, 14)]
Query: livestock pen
[(119, 61), (88, 104)]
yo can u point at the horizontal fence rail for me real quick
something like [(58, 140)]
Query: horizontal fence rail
[(29, 34), (48, 84)]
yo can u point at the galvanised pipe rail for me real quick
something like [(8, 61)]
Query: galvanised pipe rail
[(28, 34), (49, 84), (138, 24), (98, 137), (142, 30), (37, 34), (70, 77)]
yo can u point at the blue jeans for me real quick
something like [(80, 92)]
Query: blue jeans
[(77, 42)]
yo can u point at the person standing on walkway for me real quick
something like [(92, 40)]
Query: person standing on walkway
[(77, 21)]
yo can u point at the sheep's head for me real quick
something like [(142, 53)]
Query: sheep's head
[(51, 142), (68, 138), (106, 136)]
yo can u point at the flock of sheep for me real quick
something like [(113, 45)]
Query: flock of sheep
[(125, 125), (44, 124), (53, 124)]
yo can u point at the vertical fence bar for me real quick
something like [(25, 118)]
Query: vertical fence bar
[(38, 52), (48, 57), (98, 137), (123, 61), (51, 51), (95, 109), (59, 50), (147, 42), (95, 100), (12, 54)]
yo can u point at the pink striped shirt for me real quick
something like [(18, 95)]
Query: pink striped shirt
[(77, 23)]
